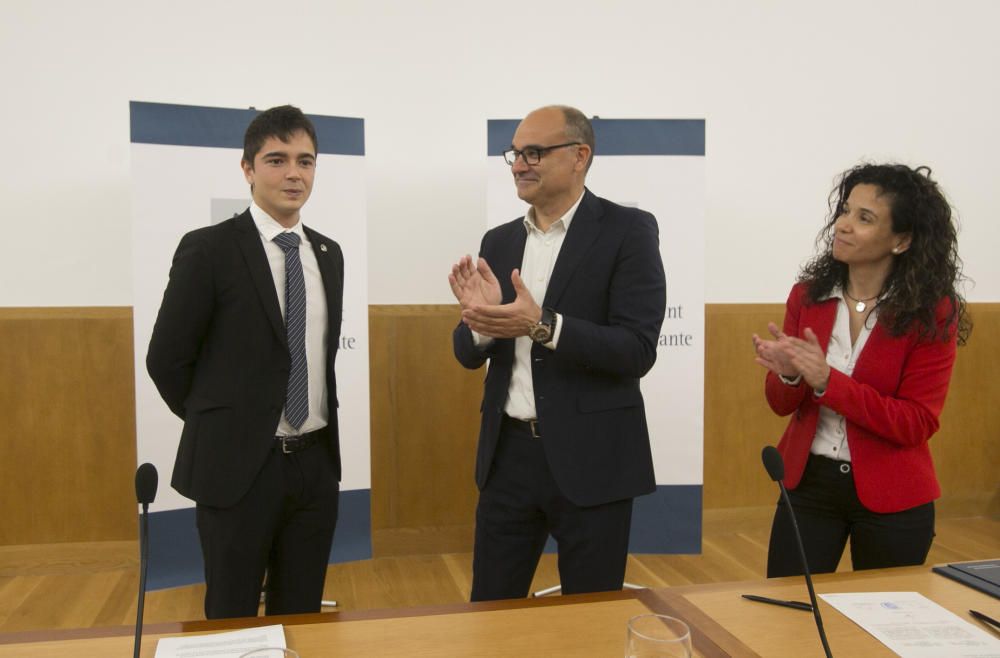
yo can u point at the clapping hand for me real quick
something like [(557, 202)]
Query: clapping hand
[(775, 355), (507, 320), (807, 358), (791, 357), (474, 285)]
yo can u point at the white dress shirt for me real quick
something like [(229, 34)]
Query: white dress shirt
[(831, 432), (541, 249), (317, 319)]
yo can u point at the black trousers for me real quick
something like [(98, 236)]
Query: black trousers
[(828, 512), (520, 506), (283, 526)]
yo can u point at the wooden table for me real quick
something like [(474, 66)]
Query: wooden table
[(584, 625), (723, 624)]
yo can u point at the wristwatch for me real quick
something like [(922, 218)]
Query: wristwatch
[(546, 327)]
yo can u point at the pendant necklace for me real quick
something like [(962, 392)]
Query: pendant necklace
[(860, 304)]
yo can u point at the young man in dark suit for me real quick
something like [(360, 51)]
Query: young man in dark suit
[(566, 303), (243, 351)]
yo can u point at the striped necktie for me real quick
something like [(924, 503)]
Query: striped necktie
[(297, 393)]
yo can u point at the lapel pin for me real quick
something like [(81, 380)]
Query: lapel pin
[(322, 247)]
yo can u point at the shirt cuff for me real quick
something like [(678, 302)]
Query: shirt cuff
[(555, 335), (790, 381), (481, 341)]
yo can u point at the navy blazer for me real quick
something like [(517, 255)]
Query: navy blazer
[(219, 356), (608, 285)]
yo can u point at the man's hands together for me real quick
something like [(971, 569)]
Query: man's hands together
[(478, 292)]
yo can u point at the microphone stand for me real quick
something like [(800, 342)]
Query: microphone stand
[(775, 467), (805, 567), (143, 564)]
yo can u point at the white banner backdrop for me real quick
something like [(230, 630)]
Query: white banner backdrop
[(192, 178), (659, 166)]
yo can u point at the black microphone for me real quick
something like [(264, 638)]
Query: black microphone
[(146, 481), (775, 466)]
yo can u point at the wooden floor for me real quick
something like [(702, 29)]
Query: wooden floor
[(84, 585)]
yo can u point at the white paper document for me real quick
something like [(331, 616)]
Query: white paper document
[(913, 626), (232, 644)]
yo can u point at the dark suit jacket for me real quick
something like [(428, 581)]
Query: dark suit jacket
[(219, 356), (891, 403), (609, 286)]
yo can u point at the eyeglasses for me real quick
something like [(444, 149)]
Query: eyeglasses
[(533, 154)]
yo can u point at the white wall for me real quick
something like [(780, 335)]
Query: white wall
[(792, 91)]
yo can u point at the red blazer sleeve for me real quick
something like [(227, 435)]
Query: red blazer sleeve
[(899, 408)]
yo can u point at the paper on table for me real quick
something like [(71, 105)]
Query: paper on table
[(913, 626), (231, 644)]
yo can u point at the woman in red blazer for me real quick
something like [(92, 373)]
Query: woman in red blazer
[(862, 366)]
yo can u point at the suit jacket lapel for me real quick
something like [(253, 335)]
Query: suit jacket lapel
[(260, 271), (328, 272), (583, 230), (508, 257)]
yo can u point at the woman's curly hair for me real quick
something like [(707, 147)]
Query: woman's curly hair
[(929, 271)]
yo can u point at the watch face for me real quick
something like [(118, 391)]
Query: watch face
[(540, 333)]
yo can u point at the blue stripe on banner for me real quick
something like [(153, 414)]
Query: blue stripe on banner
[(499, 134), (175, 553), (666, 521), (621, 136), (191, 125)]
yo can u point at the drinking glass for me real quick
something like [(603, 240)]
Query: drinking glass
[(657, 636)]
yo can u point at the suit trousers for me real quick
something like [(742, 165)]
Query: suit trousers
[(520, 505), (282, 527), (828, 512)]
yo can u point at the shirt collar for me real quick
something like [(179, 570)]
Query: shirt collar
[(529, 217), (836, 292), (269, 227)]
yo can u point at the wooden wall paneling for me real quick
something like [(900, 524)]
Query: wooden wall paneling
[(67, 397), (738, 422), (965, 449), (425, 424), (68, 404)]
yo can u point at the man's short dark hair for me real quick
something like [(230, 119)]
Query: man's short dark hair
[(578, 128), (281, 122)]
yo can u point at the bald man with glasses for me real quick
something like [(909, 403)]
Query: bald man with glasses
[(565, 304)]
